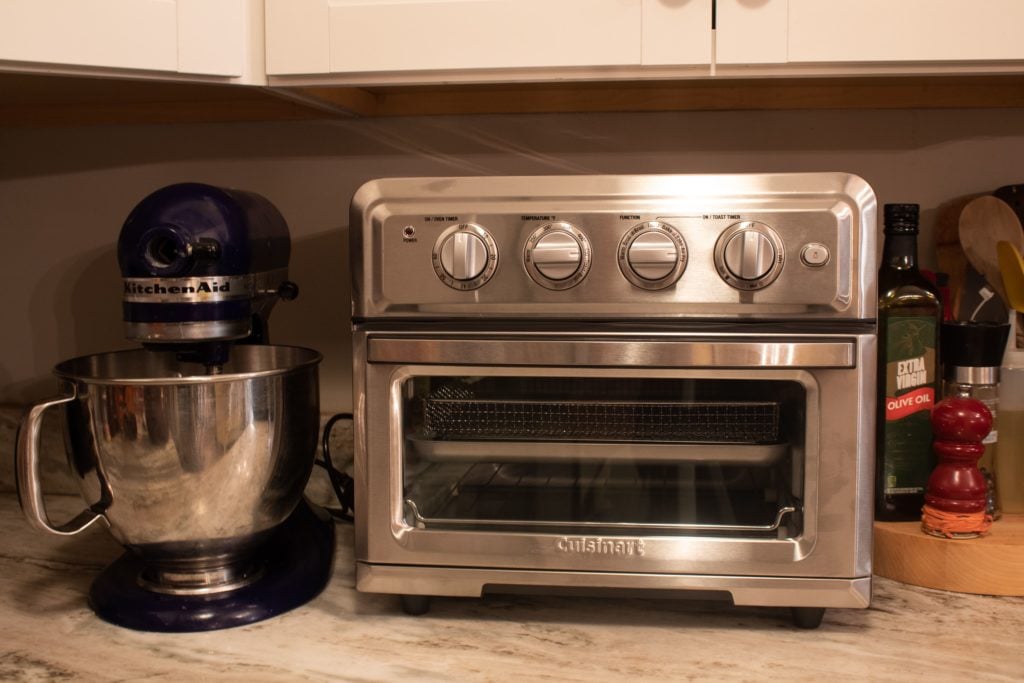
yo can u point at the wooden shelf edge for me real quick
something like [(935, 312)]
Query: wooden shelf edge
[(991, 565), (47, 100), (36, 100), (926, 92)]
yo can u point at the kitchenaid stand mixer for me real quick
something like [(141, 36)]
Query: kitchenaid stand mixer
[(195, 450)]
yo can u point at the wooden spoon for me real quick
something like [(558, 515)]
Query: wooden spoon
[(985, 222)]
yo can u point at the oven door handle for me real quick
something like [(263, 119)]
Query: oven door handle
[(563, 352)]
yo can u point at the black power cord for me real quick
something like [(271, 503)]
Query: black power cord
[(341, 482)]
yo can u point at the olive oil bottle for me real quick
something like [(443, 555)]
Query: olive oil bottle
[(909, 320)]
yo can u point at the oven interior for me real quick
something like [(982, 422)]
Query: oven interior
[(623, 456)]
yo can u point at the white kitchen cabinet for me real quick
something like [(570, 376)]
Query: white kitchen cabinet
[(905, 30), (752, 32), (904, 35), (215, 38), (676, 32), (359, 36)]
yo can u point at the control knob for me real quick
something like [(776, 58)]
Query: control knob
[(465, 256), (749, 255), (557, 255), (652, 255)]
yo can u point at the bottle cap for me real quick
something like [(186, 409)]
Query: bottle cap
[(973, 344), (901, 219)]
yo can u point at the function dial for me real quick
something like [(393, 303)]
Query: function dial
[(557, 255), (749, 255), (465, 256), (652, 255)]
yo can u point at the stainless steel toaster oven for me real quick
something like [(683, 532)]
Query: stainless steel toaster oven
[(616, 383)]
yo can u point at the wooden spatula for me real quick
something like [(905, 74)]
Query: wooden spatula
[(985, 222), (1011, 265)]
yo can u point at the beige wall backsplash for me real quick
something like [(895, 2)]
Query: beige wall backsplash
[(65, 192), (57, 478)]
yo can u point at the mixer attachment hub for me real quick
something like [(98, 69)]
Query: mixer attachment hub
[(177, 580)]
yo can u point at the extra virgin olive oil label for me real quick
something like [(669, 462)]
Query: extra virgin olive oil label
[(910, 384)]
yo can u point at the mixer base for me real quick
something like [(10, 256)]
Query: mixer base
[(298, 560)]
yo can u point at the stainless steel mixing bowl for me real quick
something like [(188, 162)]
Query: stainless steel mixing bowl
[(190, 470)]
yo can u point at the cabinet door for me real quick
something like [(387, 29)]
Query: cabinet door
[(905, 30), (751, 31), (677, 32), (423, 35), (180, 36)]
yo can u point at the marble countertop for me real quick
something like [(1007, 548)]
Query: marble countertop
[(908, 633)]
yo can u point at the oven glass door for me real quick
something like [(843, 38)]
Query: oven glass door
[(665, 454)]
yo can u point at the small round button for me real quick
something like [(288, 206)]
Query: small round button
[(814, 255)]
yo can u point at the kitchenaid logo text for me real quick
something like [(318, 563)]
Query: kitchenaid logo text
[(155, 288), (150, 290), (911, 373), (601, 546)]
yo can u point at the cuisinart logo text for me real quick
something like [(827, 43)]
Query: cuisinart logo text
[(600, 546)]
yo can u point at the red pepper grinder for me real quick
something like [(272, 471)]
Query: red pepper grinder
[(956, 495)]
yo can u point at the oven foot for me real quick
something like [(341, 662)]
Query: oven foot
[(803, 617), (415, 605)]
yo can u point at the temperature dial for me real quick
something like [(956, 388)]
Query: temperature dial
[(652, 255), (557, 256), (749, 255), (465, 256)]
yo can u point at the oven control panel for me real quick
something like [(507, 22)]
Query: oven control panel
[(805, 250), (652, 255)]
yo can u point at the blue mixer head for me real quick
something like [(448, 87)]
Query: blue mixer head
[(202, 264)]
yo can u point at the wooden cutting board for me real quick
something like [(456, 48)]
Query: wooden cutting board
[(991, 565)]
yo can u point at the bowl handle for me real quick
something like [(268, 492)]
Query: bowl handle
[(30, 490)]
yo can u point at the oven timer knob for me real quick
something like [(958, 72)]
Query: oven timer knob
[(557, 255), (465, 256), (652, 255), (749, 255)]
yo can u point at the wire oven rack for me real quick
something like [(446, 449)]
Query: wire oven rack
[(453, 419)]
